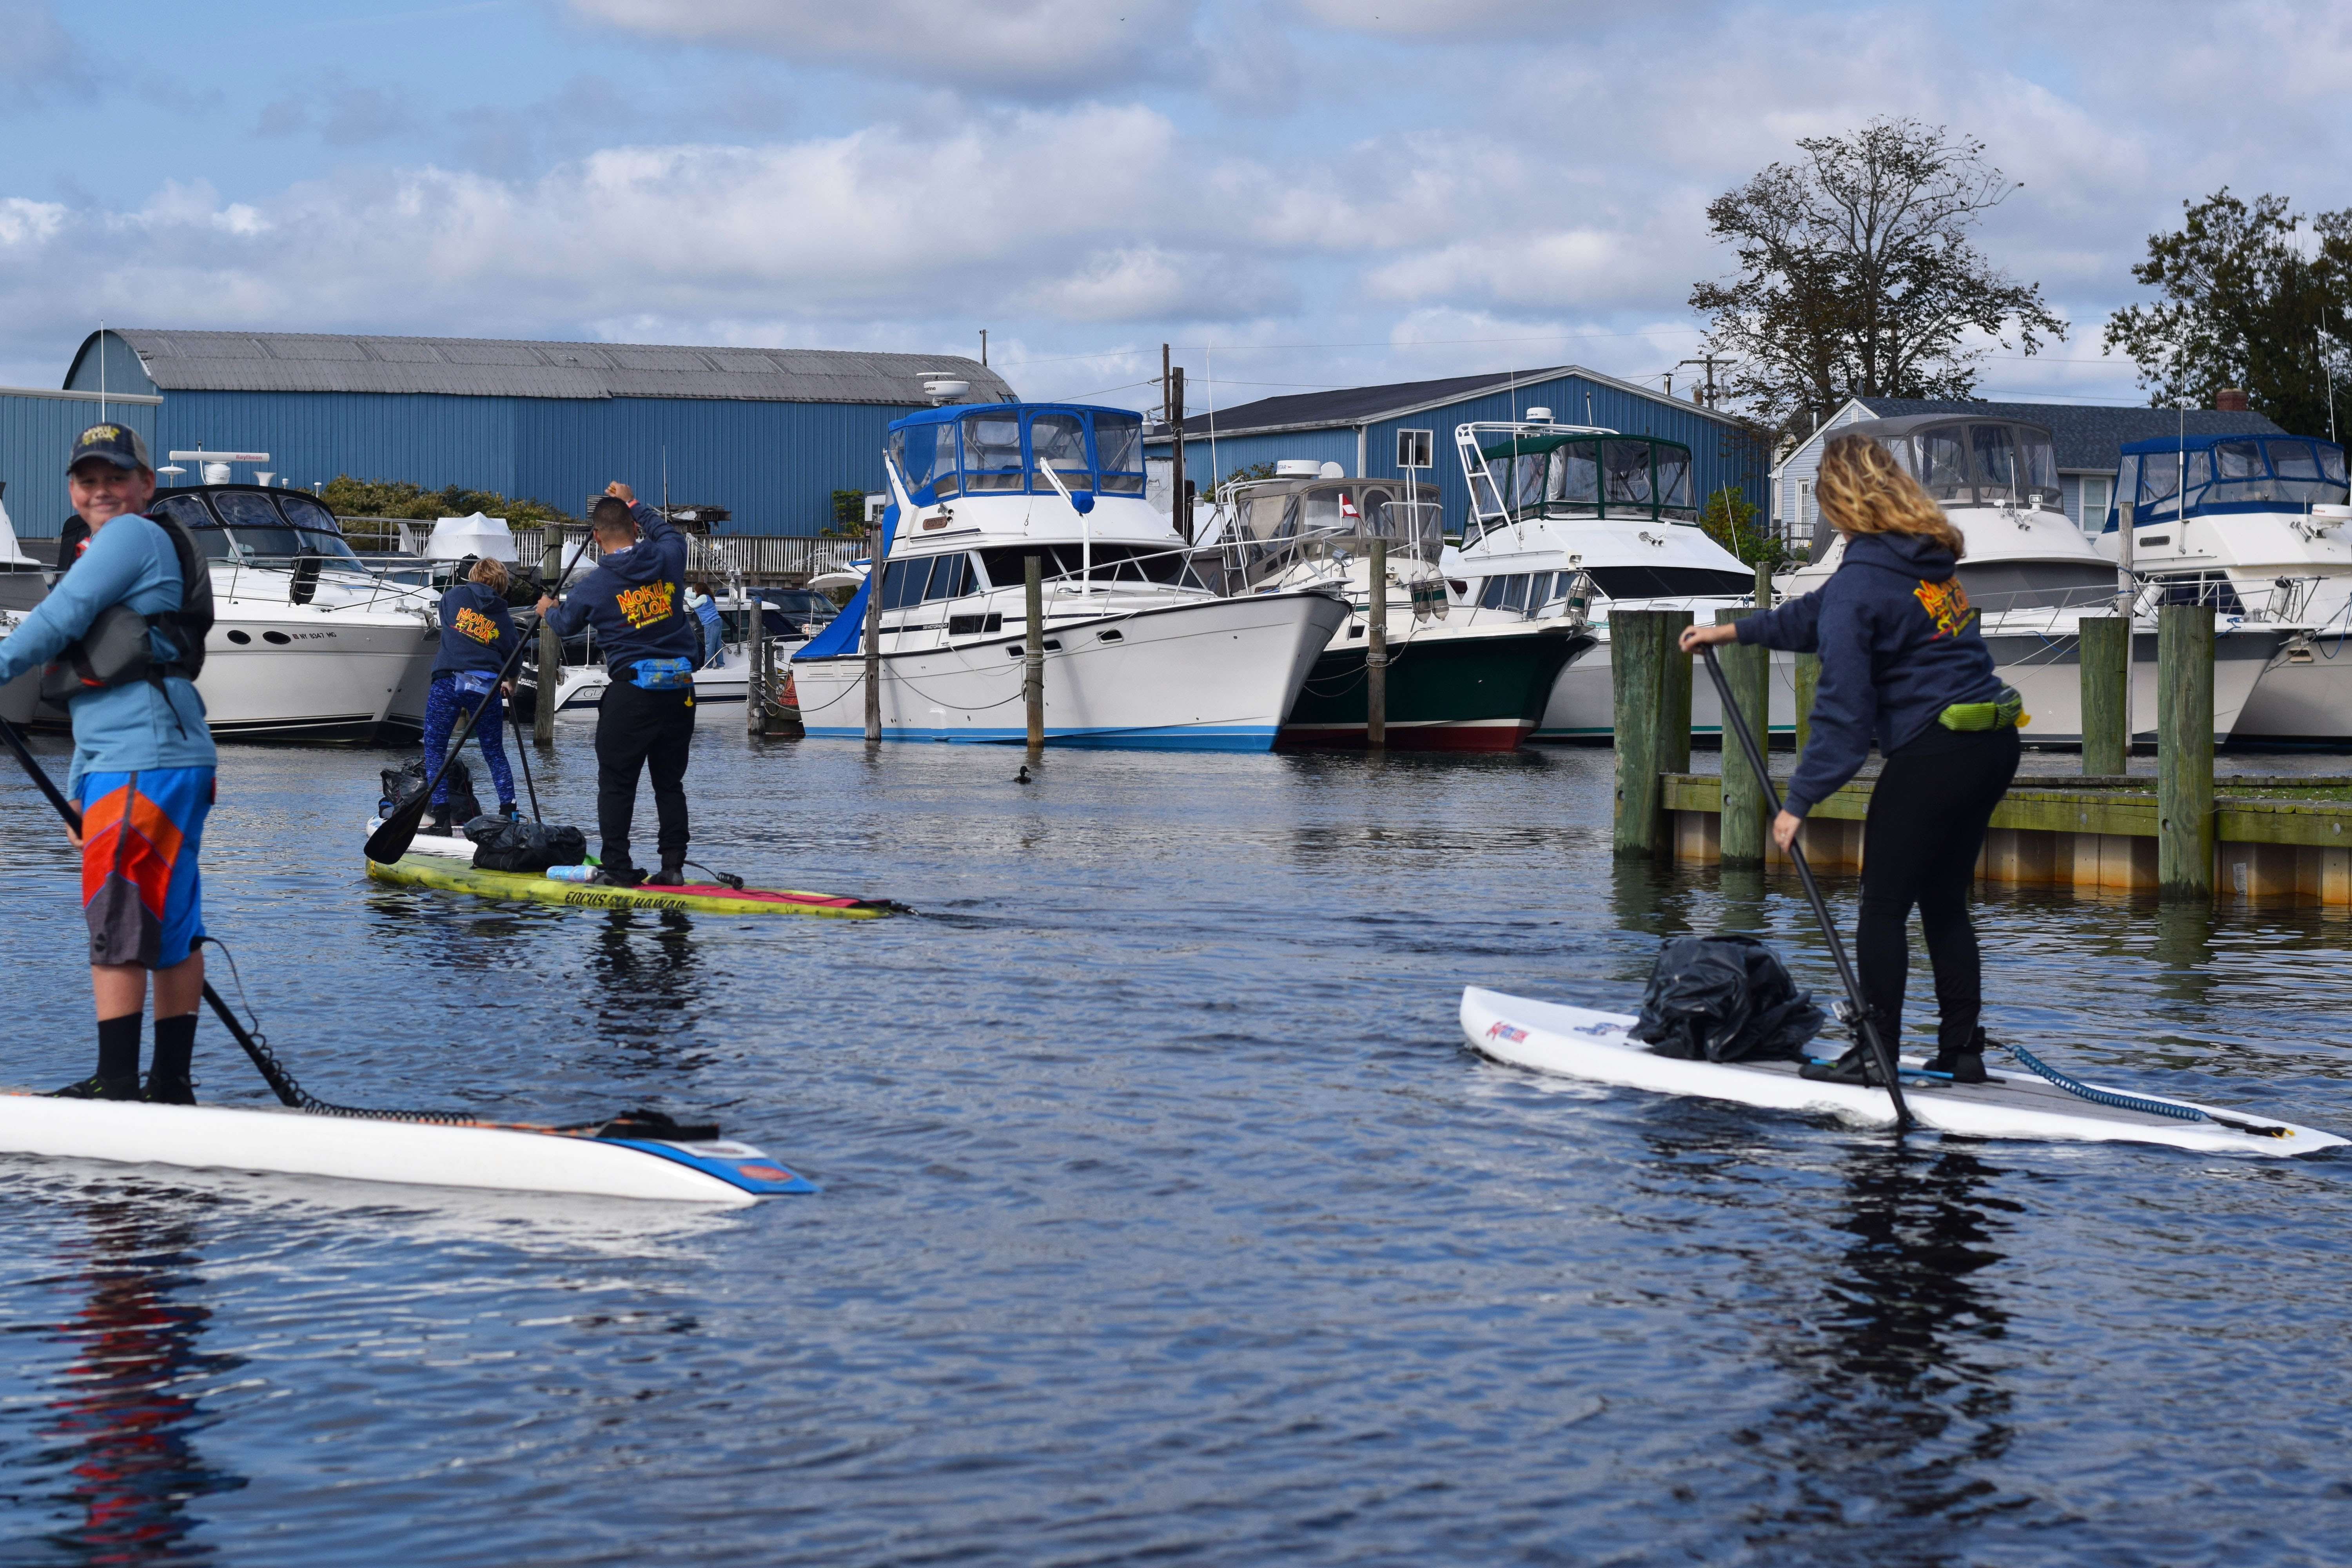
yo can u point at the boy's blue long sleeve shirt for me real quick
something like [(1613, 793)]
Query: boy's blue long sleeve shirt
[(634, 601), (138, 725), (1898, 644)]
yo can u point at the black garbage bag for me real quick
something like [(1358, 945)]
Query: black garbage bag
[(503, 846), (1724, 999), (402, 785)]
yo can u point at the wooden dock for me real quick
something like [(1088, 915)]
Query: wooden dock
[(2185, 833), (2275, 837)]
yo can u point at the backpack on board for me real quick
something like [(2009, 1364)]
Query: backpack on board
[(503, 846), (1724, 999), (117, 650)]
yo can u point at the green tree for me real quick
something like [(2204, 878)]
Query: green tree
[(348, 497), (848, 513), (1729, 518), (1858, 277), (2246, 304)]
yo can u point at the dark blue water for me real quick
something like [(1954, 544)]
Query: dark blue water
[(1166, 1218)]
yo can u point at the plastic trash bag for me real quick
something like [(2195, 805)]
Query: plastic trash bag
[(503, 846), (1724, 999), (402, 785)]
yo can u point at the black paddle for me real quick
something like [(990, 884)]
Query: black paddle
[(1880, 1051), (281, 1084), (390, 841)]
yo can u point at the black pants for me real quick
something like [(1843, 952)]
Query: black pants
[(649, 730), (1927, 818)]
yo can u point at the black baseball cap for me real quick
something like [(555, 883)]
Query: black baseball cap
[(118, 444)]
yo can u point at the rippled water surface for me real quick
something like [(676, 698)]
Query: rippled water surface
[(1165, 1216)]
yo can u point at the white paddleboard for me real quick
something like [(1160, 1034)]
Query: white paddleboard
[(1579, 1043), (298, 1144)]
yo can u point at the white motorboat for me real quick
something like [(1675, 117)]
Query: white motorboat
[(22, 585), (790, 616), (2261, 539), (2031, 576), (1550, 501), (306, 639), (1457, 680), (1139, 651)]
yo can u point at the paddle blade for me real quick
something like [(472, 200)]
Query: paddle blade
[(390, 841)]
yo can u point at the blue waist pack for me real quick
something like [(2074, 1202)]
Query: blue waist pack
[(475, 683), (663, 674)]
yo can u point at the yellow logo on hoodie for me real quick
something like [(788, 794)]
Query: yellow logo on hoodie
[(1947, 603)]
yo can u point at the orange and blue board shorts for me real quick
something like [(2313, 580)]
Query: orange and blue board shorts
[(141, 892)]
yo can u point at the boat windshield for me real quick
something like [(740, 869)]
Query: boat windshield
[(1977, 463), (1003, 450), (2243, 474), (1528, 475), (258, 523)]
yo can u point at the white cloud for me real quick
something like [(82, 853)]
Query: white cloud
[(1017, 46)]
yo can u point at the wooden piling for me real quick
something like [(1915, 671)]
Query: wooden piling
[(550, 646), (755, 648), (1032, 667), (1650, 681), (2184, 751), (2105, 646), (873, 580), (1376, 653), (1808, 680), (1749, 670)]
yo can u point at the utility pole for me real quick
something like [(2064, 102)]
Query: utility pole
[(1710, 362)]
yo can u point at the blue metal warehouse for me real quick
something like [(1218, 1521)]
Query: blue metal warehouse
[(1357, 429), (769, 434)]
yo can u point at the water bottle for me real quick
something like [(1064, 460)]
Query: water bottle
[(571, 873)]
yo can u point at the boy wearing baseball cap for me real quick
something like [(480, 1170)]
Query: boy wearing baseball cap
[(142, 772)]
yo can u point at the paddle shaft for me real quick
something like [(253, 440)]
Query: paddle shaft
[(1734, 721), (280, 1084), (391, 841)]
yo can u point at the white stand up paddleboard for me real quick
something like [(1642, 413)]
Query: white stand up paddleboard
[(301, 1143), (1576, 1042)]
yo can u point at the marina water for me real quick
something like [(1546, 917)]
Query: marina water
[(1165, 1216)]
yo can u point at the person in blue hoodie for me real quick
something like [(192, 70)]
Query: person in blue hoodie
[(141, 773), (634, 603), (1903, 664), (477, 635)]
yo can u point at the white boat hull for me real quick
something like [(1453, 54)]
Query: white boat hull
[(295, 1143), (1202, 674), (2305, 700), (294, 673), (1578, 1043), (1583, 704)]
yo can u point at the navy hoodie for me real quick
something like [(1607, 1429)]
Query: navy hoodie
[(1899, 644), (635, 599), (477, 633)]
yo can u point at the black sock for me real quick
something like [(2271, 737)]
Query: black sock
[(118, 1047), (175, 1046)]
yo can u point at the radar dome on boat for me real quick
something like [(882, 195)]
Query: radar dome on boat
[(1331, 471), (944, 387), (1538, 416)]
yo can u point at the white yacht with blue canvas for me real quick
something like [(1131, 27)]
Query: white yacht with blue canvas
[(1139, 650)]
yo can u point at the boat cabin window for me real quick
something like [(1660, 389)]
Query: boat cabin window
[(926, 578), (317, 525), (1980, 464), (992, 452), (1118, 452), (2243, 474), (1943, 464), (2213, 588), (189, 512), (1668, 581), (1531, 594), (926, 454), (1999, 585), (1065, 562), (1060, 440), (1530, 476)]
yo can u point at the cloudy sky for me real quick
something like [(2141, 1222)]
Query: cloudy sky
[(1295, 193)]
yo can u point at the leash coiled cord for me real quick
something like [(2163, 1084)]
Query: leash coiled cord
[(2116, 1102)]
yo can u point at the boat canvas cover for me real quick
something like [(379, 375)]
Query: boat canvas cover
[(844, 633), (454, 537), (11, 553)]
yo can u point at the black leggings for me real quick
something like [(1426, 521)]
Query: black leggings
[(1926, 824)]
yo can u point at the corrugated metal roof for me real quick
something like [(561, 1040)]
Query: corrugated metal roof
[(2088, 439), (487, 367), (1355, 406)]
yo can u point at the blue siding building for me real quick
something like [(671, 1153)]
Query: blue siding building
[(769, 434), (1357, 429)]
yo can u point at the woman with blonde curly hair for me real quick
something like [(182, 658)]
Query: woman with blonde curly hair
[(1902, 663)]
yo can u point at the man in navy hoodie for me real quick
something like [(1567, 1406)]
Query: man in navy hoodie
[(635, 602)]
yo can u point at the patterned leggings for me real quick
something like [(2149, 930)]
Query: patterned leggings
[(443, 704)]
